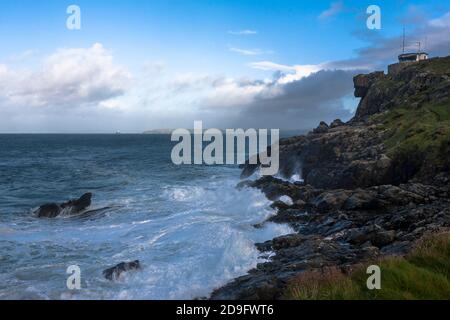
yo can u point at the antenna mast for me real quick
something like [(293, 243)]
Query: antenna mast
[(403, 39)]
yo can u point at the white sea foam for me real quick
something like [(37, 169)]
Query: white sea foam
[(190, 239)]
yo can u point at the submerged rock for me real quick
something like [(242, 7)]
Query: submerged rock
[(115, 272), (71, 207), (50, 210)]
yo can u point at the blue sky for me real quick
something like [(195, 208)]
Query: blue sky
[(201, 46)]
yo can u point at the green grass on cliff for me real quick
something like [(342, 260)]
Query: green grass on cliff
[(427, 128), (418, 138), (418, 135), (438, 66), (422, 275)]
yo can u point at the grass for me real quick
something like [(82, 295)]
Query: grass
[(417, 138), (424, 274), (419, 133), (439, 66)]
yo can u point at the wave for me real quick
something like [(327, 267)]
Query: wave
[(190, 238)]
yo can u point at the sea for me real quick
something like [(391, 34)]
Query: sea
[(189, 226)]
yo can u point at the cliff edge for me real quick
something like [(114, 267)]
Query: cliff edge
[(372, 187)]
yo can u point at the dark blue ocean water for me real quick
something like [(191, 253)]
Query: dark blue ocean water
[(188, 225)]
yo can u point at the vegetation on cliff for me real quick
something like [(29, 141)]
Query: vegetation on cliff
[(417, 122), (371, 189), (412, 107), (422, 274), (418, 139)]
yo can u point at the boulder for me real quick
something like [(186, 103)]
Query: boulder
[(398, 196), (361, 200), (377, 237), (331, 200), (115, 272), (49, 210), (71, 207), (78, 205), (275, 188), (383, 238)]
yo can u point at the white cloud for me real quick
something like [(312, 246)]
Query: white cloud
[(21, 57), (292, 73), (441, 22), (68, 77), (271, 66), (246, 32), (249, 52), (334, 9), (232, 93)]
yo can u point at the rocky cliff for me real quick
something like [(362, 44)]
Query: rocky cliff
[(400, 131), (372, 186)]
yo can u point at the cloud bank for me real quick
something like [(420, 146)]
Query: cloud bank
[(66, 78)]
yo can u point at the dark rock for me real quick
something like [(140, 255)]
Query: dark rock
[(337, 123), (50, 210), (248, 170), (337, 227), (293, 216), (79, 204), (275, 188), (361, 200), (397, 196), (363, 82), (299, 204), (331, 200), (280, 205), (69, 208), (268, 280), (252, 164), (288, 241), (383, 238), (322, 128), (397, 248), (115, 272), (357, 236)]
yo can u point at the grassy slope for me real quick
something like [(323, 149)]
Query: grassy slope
[(424, 130), (418, 137), (423, 274)]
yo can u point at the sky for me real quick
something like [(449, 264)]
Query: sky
[(139, 65)]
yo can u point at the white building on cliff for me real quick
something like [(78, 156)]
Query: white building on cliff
[(412, 57)]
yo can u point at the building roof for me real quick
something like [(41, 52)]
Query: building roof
[(412, 54)]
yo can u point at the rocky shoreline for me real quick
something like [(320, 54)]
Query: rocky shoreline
[(371, 186), (340, 228)]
